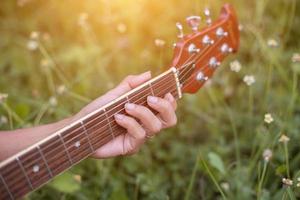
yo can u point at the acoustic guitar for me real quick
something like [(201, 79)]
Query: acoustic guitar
[(196, 56)]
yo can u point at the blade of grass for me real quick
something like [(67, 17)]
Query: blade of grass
[(212, 177)]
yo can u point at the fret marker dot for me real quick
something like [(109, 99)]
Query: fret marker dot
[(77, 144), (35, 168)]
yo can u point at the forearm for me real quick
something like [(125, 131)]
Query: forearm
[(12, 142)]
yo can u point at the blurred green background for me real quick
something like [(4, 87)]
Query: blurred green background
[(237, 138)]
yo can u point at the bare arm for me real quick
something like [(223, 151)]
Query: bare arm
[(14, 141)]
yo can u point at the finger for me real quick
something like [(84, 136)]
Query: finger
[(129, 83), (148, 119), (169, 97), (132, 126), (165, 109), (136, 134)]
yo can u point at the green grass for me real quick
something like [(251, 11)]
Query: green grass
[(215, 151)]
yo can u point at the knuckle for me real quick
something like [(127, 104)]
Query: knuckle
[(157, 126), (129, 77), (141, 134)]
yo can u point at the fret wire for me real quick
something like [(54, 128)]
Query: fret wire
[(111, 131), (24, 172), (6, 187), (66, 150), (150, 85), (43, 157), (87, 135)]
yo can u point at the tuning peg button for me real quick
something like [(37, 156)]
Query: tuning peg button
[(180, 29), (193, 22), (213, 62), (201, 77)]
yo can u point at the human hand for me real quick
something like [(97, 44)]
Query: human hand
[(137, 133)]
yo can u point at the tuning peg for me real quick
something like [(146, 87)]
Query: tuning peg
[(226, 49), (220, 32), (207, 41), (213, 62), (193, 49), (180, 29), (207, 15), (193, 22), (201, 77)]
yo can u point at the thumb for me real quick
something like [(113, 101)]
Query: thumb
[(130, 82)]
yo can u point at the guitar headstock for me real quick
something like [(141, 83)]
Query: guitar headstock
[(198, 54)]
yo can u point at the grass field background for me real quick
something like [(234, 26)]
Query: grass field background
[(237, 138)]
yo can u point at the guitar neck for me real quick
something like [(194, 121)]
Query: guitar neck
[(36, 165)]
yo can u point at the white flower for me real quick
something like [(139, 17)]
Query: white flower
[(77, 178), (296, 58), (268, 118), (61, 89), (46, 36), (32, 45), (34, 35), (3, 96), (122, 28), (267, 155), (235, 66), (225, 186), (53, 101), (284, 139), (287, 181), (249, 79), (272, 43), (82, 19), (159, 42)]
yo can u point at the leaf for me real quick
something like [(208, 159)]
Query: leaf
[(65, 183), (216, 162)]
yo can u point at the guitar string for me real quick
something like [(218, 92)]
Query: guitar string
[(162, 85), (171, 91)]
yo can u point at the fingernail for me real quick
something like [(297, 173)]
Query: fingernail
[(129, 106), (152, 99), (119, 116)]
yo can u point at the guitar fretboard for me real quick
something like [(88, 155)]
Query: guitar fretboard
[(36, 165)]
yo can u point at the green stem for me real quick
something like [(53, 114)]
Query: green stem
[(192, 180), (236, 141), (260, 185), (213, 178), (286, 153), (291, 193)]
